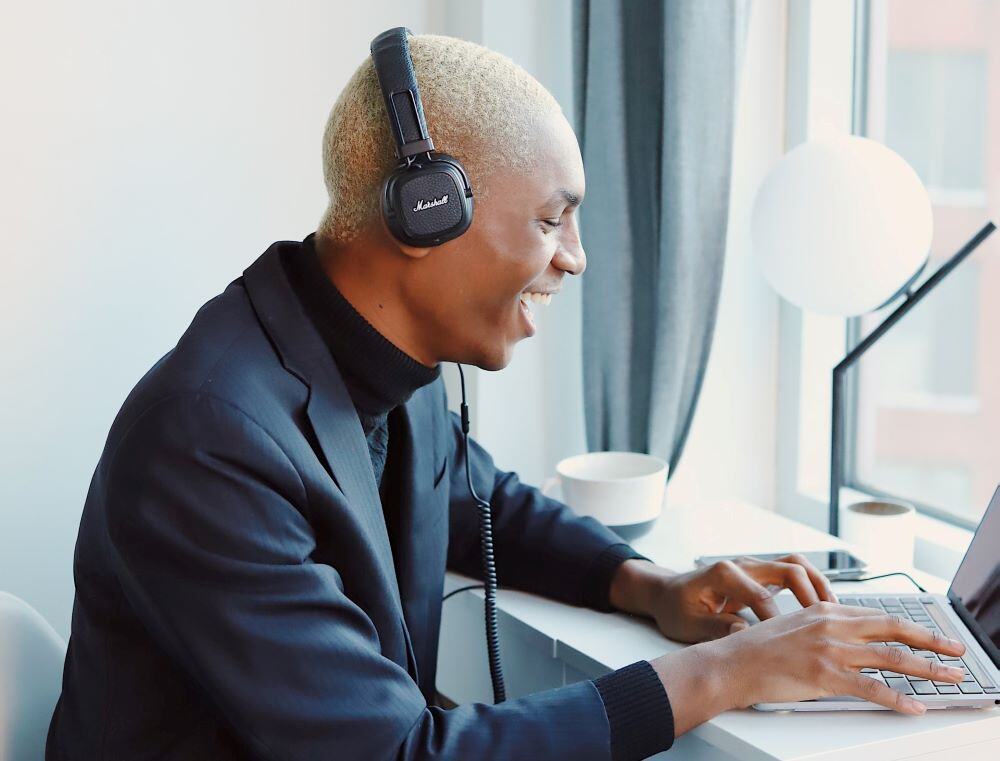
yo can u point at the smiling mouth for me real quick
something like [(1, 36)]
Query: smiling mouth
[(536, 297), (527, 299)]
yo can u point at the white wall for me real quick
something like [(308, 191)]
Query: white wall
[(150, 152)]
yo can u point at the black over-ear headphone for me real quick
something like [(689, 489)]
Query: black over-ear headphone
[(427, 199)]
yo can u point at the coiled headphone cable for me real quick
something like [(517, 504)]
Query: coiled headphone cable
[(489, 563)]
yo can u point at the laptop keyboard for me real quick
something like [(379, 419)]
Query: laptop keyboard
[(924, 611)]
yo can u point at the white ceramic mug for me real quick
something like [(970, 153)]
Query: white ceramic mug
[(616, 488), (883, 532)]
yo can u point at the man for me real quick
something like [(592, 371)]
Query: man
[(260, 561)]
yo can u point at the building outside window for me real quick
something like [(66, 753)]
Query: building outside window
[(925, 420)]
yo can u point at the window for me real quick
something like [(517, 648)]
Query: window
[(925, 414)]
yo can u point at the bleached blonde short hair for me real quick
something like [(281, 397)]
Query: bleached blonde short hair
[(480, 107)]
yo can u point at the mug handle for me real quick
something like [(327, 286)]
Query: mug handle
[(548, 485)]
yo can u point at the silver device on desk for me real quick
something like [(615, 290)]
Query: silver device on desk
[(969, 612)]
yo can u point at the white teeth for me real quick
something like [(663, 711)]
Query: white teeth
[(536, 298)]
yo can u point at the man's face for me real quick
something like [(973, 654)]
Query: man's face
[(472, 292)]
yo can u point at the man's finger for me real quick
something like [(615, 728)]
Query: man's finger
[(819, 581), (789, 575), (875, 691), (901, 661), (897, 629), (736, 584)]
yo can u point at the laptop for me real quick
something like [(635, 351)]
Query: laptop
[(969, 612)]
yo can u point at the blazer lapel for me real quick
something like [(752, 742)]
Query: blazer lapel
[(330, 409), (342, 440), (421, 528)]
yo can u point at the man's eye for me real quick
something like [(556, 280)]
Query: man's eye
[(552, 222)]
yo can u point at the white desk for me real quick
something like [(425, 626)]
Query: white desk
[(546, 644)]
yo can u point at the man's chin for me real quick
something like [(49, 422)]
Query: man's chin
[(491, 358)]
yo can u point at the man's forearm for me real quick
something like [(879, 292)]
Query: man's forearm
[(633, 586), (693, 678), (695, 682)]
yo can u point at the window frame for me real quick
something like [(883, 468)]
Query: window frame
[(865, 21), (827, 48)]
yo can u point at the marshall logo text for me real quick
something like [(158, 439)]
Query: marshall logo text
[(422, 204)]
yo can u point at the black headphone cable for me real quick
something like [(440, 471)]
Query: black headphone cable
[(489, 563)]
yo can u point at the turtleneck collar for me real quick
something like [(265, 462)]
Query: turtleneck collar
[(379, 376)]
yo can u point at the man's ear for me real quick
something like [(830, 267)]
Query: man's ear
[(412, 251)]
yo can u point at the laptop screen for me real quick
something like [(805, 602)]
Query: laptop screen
[(975, 590)]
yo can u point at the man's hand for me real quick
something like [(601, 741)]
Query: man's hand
[(702, 604), (815, 652)]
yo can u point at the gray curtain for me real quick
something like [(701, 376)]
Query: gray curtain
[(655, 93)]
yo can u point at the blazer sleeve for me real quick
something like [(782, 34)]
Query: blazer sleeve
[(540, 544), (209, 539)]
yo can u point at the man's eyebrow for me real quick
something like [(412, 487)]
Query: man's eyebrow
[(571, 198)]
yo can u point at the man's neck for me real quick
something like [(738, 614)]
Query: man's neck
[(353, 269)]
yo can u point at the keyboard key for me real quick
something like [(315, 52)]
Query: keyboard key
[(869, 671), (970, 688), (948, 658), (849, 601), (887, 601), (869, 602), (992, 690), (925, 653), (892, 675), (923, 687), (926, 599), (900, 685), (948, 689)]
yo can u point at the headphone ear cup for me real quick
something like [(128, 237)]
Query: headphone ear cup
[(427, 204), (444, 158)]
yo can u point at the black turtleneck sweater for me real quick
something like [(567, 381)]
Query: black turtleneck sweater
[(379, 376)]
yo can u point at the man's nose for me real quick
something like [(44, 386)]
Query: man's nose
[(571, 259)]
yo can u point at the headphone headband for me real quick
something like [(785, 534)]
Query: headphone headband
[(427, 198), (394, 69)]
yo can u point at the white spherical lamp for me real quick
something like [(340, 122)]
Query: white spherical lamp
[(841, 226)]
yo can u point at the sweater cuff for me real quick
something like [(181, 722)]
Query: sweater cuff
[(597, 585), (638, 709)]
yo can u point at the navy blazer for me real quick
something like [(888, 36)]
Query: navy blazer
[(236, 595)]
